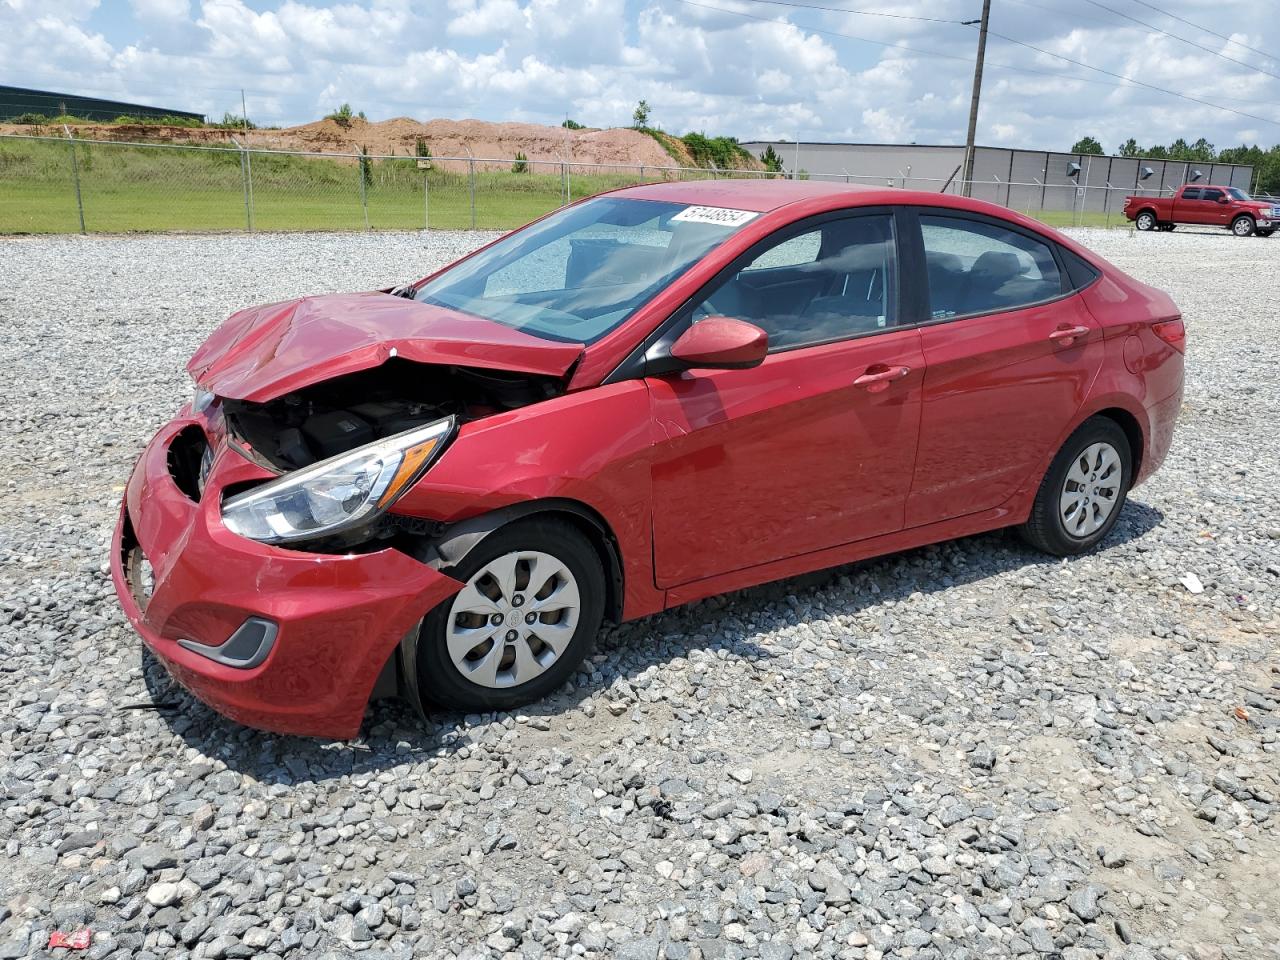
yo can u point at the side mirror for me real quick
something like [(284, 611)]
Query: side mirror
[(1224, 199), (721, 343)]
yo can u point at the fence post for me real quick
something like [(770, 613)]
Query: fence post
[(471, 188), (564, 183), (248, 169), (75, 174), (244, 183), (426, 201), (361, 161)]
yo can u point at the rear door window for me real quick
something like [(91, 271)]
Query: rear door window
[(975, 266), (1191, 193)]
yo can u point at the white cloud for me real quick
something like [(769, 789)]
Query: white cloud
[(163, 10), (780, 71)]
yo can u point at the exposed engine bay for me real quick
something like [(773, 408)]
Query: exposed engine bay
[(324, 420)]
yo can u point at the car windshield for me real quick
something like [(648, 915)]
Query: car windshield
[(580, 273), (1238, 194)]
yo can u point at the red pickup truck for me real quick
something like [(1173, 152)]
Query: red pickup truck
[(1206, 205)]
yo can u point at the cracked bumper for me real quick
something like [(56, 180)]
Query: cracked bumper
[(338, 617)]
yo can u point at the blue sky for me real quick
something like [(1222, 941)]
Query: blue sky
[(749, 68)]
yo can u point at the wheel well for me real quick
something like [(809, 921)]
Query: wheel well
[(592, 526), (1150, 210), (1127, 422), (460, 538)]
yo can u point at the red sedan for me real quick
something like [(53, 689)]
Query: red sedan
[(649, 397)]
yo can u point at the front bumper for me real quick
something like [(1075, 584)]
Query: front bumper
[(338, 618)]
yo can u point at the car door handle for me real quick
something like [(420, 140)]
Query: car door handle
[(1068, 335), (879, 377)]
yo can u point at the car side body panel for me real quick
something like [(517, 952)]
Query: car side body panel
[(590, 447), (997, 388), (793, 456)]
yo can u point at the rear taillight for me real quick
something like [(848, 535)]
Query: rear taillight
[(1172, 332)]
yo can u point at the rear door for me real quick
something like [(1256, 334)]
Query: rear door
[(1010, 352), (812, 449), (1189, 207)]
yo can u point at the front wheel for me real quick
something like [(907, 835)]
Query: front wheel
[(1083, 492), (528, 614), (1242, 226), (1146, 220)]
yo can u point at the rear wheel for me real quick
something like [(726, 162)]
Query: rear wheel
[(528, 614), (1243, 225), (1146, 220), (1083, 492)]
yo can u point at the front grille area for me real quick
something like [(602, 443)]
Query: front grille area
[(187, 451)]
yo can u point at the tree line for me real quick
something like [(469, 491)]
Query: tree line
[(1265, 161)]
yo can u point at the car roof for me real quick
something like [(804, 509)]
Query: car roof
[(760, 195)]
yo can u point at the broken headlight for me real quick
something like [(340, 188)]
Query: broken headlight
[(339, 493), (201, 400)]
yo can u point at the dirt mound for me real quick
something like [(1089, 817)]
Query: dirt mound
[(474, 138), (545, 147)]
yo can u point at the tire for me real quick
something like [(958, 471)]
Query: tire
[(1243, 225), (1145, 220), (482, 669), (1053, 527)]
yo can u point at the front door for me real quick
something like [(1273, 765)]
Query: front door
[(1010, 354), (1216, 210), (815, 447)]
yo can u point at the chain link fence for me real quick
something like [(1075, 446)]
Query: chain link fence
[(69, 185)]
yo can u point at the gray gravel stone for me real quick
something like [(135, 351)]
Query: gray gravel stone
[(949, 752)]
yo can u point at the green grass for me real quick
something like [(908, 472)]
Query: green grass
[(127, 188), (1084, 218), (131, 188)]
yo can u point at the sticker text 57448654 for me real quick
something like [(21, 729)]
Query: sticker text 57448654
[(723, 216)]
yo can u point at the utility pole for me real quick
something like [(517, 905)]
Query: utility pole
[(977, 92)]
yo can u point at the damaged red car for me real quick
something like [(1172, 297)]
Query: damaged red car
[(655, 395)]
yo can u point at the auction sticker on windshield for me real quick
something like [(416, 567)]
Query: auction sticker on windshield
[(721, 215)]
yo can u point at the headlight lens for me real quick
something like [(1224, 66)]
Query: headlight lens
[(201, 401), (338, 493)]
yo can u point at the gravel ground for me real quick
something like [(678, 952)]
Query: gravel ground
[(961, 751)]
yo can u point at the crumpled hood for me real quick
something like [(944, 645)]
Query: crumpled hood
[(265, 352)]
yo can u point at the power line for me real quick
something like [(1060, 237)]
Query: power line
[(861, 13), (902, 46), (1002, 66), (1140, 83), (1198, 46), (1076, 16), (1220, 36)]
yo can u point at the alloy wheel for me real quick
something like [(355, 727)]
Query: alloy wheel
[(1091, 490), (514, 618)]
